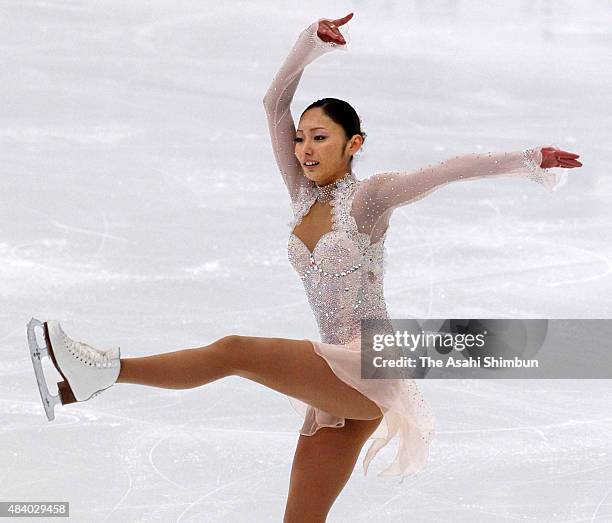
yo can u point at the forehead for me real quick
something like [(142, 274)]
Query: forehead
[(314, 119)]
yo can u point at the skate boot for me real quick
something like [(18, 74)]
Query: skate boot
[(86, 371)]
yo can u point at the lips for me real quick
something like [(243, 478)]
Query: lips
[(310, 166)]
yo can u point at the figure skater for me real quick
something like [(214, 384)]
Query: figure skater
[(336, 247)]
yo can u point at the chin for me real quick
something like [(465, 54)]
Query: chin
[(315, 177), (321, 176)]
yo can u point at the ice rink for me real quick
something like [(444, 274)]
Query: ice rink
[(141, 206)]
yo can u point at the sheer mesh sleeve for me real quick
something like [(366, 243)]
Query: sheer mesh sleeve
[(278, 98), (380, 194)]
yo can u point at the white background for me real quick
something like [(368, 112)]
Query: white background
[(141, 206)]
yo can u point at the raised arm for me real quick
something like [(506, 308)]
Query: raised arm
[(277, 100), (380, 194)]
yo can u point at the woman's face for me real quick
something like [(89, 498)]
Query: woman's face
[(318, 138)]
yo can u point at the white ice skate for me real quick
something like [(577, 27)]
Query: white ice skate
[(86, 371)]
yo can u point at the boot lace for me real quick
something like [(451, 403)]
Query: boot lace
[(90, 355)]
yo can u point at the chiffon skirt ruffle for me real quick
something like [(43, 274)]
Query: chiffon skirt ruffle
[(406, 414)]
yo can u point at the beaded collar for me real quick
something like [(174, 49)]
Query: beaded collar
[(325, 193)]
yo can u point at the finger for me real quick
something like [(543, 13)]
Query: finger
[(336, 35), (344, 19), (326, 37), (569, 163), (568, 160), (330, 33), (322, 34), (566, 154)]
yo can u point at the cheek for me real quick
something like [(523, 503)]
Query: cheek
[(335, 149), (329, 146)]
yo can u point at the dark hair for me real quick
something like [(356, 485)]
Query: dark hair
[(342, 113)]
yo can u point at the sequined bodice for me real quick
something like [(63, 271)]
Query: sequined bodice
[(343, 275)]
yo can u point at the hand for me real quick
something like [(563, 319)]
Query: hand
[(328, 29), (552, 157)]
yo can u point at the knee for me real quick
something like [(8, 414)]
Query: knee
[(232, 347), (228, 341)]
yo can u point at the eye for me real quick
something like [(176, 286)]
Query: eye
[(298, 139)]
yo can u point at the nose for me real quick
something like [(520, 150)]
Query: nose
[(307, 148)]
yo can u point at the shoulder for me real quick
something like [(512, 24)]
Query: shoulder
[(304, 198), (368, 185)]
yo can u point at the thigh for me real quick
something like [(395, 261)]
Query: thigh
[(295, 369), (322, 465)]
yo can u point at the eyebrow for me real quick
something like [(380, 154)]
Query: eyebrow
[(312, 129)]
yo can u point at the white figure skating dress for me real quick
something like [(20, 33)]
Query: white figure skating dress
[(343, 275)]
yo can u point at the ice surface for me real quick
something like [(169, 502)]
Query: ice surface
[(141, 206)]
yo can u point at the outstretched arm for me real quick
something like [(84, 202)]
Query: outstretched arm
[(317, 39), (383, 192)]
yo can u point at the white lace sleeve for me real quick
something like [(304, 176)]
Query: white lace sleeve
[(277, 102), (383, 192)]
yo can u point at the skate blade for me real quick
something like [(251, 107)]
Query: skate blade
[(49, 400)]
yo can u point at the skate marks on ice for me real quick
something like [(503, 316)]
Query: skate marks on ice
[(212, 32), (104, 234), (57, 5), (599, 506), (512, 474), (145, 36), (602, 264), (57, 259), (471, 272), (174, 461)]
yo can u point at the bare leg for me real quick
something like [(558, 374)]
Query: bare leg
[(322, 465), (288, 366), (183, 369)]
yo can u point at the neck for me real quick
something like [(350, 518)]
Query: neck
[(325, 193)]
